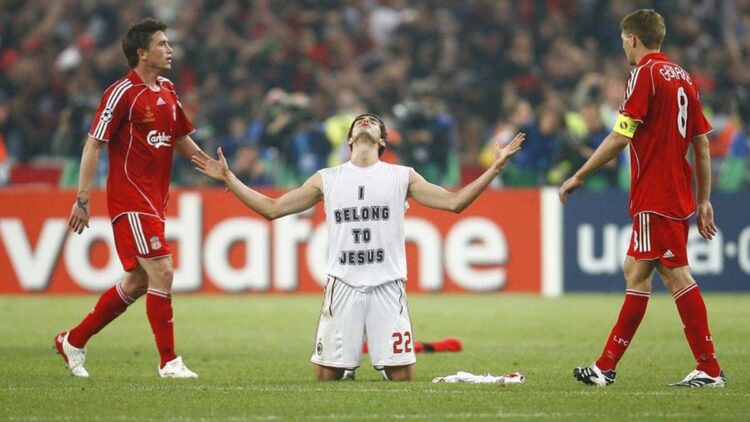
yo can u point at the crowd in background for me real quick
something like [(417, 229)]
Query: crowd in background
[(277, 83)]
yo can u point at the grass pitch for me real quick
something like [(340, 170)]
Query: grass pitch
[(252, 355)]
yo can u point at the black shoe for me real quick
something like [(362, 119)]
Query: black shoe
[(594, 376)]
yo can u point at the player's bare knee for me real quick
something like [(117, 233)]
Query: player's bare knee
[(161, 279), (675, 279), (326, 373), (166, 275), (134, 290), (399, 373), (135, 283), (638, 275)]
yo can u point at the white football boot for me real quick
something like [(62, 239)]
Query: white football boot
[(592, 375), (176, 369), (698, 378), (73, 356)]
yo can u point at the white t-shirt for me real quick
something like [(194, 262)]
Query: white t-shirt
[(365, 209)]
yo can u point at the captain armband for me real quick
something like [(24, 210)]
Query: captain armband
[(625, 126)]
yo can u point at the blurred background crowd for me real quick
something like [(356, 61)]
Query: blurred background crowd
[(277, 83)]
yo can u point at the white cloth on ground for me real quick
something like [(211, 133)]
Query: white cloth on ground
[(486, 378)]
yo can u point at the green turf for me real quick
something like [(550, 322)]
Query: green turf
[(252, 356)]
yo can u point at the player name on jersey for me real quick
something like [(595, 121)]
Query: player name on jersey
[(367, 213)]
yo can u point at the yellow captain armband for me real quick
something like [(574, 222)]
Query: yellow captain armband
[(625, 126)]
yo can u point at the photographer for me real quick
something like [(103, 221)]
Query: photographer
[(429, 135), (290, 136)]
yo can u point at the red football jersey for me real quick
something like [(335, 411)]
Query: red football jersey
[(141, 127), (661, 96)]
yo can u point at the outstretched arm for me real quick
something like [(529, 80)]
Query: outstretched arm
[(609, 149), (434, 196), (294, 201), (705, 212), (187, 148)]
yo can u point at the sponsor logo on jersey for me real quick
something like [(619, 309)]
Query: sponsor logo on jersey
[(155, 243), (158, 139)]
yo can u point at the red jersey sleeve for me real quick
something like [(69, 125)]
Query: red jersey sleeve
[(701, 126), (111, 111), (183, 125), (637, 94)]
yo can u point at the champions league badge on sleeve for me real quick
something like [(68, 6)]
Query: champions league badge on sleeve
[(106, 116)]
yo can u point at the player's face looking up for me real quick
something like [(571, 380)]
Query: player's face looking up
[(159, 53), (368, 128), (367, 125), (374, 131)]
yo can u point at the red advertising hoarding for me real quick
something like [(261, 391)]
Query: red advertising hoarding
[(221, 246)]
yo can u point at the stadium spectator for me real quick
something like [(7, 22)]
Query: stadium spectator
[(545, 133), (364, 206), (142, 122), (249, 167), (660, 117), (5, 158), (583, 138), (428, 135), (480, 54)]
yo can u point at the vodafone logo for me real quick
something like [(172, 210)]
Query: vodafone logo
[(473, 252), (158, 139)]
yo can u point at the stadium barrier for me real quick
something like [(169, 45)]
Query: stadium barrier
[(597, 230), (507, 241), (221, 246)]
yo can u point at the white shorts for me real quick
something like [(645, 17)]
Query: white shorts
[(349, 315)]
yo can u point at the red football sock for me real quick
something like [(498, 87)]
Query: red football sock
[(694, 318), (111, 304), (159, 311), (631, 314)]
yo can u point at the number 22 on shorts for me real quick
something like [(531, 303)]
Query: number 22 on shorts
[(401, 342)]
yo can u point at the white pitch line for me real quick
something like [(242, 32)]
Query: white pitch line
[(352, 416), (301, 389)]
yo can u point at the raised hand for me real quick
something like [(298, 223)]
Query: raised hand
[(215, 169), (502, 153)]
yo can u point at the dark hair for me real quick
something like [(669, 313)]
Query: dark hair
[(138, 37), (647, 25), (383, 130)]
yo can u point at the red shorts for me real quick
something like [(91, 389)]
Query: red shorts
[(139, 235), (659, 237)]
